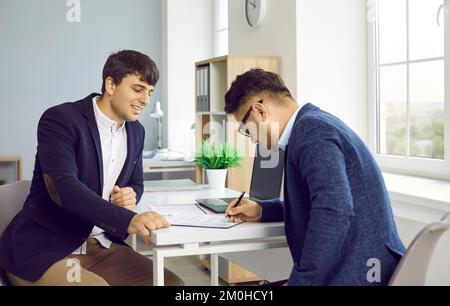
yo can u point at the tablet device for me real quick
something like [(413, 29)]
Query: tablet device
[(216, 205)]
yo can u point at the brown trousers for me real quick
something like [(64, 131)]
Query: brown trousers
[(117, 266)]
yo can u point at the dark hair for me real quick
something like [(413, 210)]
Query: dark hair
[(126, 62), (251, 83)]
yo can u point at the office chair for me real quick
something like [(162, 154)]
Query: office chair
[(12, 198), (412, 268)]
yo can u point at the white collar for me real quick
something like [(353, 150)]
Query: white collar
[(284, 139), (103, 120)]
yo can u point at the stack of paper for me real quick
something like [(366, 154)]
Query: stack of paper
[(209, 221), (191, 216), (171, 185)]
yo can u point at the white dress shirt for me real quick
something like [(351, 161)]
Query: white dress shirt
[(114, 152), (284, 139)]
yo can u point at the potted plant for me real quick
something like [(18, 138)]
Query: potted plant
[(216, 160)]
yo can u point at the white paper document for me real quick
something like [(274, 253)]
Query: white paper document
[(177, 210), (191, 215), (209, 221)]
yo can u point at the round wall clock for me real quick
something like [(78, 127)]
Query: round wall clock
[(255, 11)]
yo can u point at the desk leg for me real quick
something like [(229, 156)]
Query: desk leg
[(214, 270), (158, 269), (134, 242)]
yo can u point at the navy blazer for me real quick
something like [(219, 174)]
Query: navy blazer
[(339, 222), (65, 200)]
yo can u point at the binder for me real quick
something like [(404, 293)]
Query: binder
[(200, 89), (203, 98), (197, 79), (207, 89), (200, 96)]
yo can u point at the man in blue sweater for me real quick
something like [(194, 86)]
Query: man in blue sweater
[(338, 217)]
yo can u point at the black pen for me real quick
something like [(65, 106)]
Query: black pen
[(235, 205), (198, 206)]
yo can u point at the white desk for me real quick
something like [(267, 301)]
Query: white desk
[(168, 161), (156, 166), (186, 241)]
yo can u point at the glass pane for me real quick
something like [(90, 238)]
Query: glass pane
[(427, 109), (426, 38), (223, 14), (393, 110), (392, 31)]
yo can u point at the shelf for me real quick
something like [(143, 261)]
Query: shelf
[(218, 86), (222, 72), (10, 168), (212, 60), (8, 159), (232, 273)]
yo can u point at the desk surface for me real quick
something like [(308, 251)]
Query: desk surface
[(154, 163), (187, 235), (168, 159)]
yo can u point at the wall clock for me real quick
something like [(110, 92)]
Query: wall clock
[(255, 11)]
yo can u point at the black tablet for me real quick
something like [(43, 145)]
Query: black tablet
[(216, 205)]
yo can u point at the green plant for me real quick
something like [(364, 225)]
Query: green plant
[(2, 182), (217, 157)]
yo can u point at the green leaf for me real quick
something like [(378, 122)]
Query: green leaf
[(217, 157)]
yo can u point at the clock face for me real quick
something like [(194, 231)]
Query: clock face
[(254, 11)]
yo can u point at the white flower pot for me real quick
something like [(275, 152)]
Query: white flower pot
[(216, 178)]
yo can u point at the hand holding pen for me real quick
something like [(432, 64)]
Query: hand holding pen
[(243, 210), (233, 205)]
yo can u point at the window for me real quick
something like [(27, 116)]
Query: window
[(221, 27), (409, 89)]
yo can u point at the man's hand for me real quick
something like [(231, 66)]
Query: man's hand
[(246, 211), (124, 197), (147, 222)]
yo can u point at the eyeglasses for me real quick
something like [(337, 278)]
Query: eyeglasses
[(241, 128)]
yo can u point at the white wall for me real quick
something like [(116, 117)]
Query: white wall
[(332, 59), (188, 37), (322, 49), (46, 60), (275, 36)]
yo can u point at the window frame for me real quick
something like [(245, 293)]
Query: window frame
[(416, 166)]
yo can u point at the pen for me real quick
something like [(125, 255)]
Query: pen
[(198, 206), (227, 218)]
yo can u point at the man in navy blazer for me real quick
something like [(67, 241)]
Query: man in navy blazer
[(338, 218), (88, 177)]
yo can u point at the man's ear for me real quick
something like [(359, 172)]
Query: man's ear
[(261, 111), (110, 86)]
